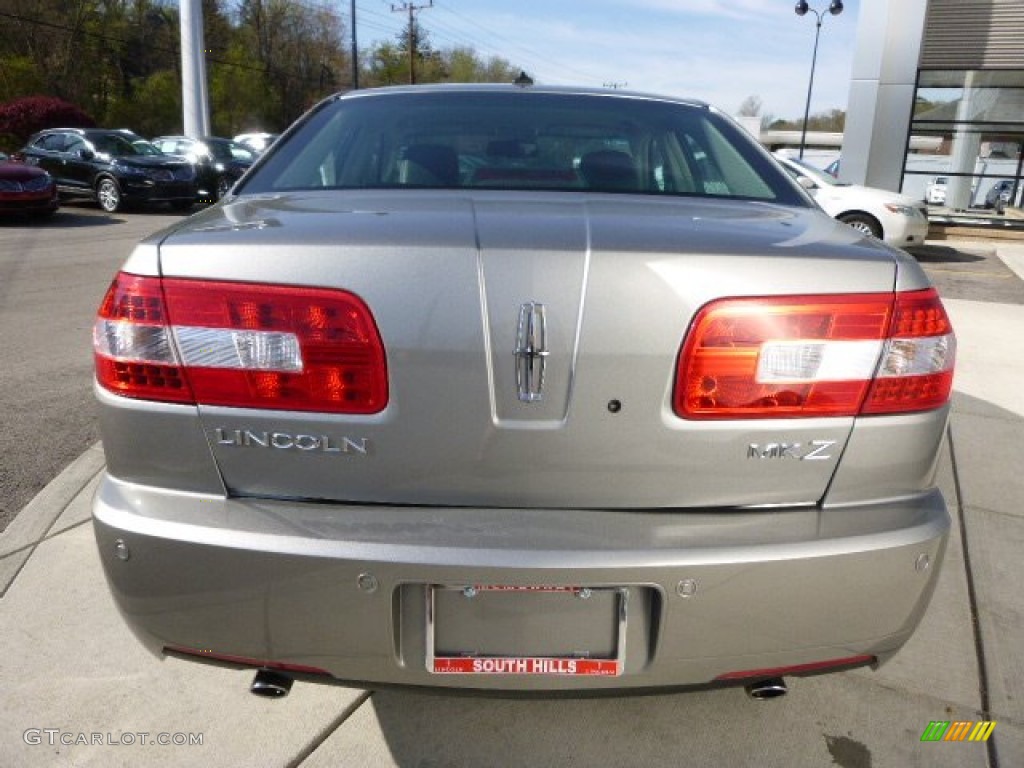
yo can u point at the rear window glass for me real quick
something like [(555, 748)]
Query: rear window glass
[(522, 141)]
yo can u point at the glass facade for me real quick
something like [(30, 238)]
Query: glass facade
[(966, 145)]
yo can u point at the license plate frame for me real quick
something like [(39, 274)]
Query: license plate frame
[(446, 661)]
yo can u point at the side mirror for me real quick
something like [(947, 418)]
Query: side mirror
[(807, 183), (84, 154)]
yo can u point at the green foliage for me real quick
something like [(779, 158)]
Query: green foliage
[(267, 60), (155, 106), (832, 121), (463, 65), (240, 100), (19, 76), (388, 64)]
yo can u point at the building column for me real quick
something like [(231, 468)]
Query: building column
[(966, 148), (881, 102)]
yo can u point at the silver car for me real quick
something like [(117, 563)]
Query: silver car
[(521, 388)]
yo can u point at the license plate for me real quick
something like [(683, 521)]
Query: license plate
[(560, 631)]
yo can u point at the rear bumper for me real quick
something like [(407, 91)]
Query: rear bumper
[(902, 231), (29, 202), (346, 589)]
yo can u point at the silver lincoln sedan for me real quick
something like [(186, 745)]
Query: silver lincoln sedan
[(521, 388)]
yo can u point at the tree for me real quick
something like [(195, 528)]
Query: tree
[(832, 121), (267, 60), (463, 65), (388, 64), (751, 107), (299, 54), (155, 107)]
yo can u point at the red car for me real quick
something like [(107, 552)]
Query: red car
[(26, 189)]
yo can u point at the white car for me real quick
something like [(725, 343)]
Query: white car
[(897, 219), (257, 142), (935, 192)]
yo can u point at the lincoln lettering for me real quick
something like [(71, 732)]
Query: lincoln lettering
[(285, 441)]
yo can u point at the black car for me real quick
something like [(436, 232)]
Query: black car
[(999, 194), (219, 162), (114, 167)]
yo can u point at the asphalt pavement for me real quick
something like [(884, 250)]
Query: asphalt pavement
[(80, 691), (53, 275)]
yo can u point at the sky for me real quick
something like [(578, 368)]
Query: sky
[(720, 51)]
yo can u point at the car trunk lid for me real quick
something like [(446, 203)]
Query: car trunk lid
[(531, 344)]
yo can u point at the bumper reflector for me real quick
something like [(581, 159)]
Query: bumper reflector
[(799, 669)]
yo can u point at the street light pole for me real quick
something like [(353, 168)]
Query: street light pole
[(835, 8)]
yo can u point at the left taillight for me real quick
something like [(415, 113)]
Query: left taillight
[(246, 345), (806, 356)]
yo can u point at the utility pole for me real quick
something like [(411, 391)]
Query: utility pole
[(355, 48), (411, 9)]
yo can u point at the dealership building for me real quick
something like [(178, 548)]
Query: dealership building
[(937, 91)]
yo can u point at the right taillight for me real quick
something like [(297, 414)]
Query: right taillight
[(916, 369), (246, 345), (819, 355)]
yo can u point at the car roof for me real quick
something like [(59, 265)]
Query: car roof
[(124, 132), (564, 90)]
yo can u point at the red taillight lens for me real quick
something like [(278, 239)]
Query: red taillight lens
[(240, 344), (805, 356)]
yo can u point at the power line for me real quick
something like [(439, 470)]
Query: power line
[(532, 54)]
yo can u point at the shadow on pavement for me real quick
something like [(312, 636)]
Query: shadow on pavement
[(62, 219), (943, 254), (85, 214)]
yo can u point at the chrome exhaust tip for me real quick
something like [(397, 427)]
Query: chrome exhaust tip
[(772, 688), (270, 684)]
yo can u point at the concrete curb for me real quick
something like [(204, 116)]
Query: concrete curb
[(51, 510), (1013, 257)]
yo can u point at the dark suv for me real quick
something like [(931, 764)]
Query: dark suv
[(219, 162), (114, 167), (999, 194)]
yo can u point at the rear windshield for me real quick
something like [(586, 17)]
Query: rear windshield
[(519, 140)]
